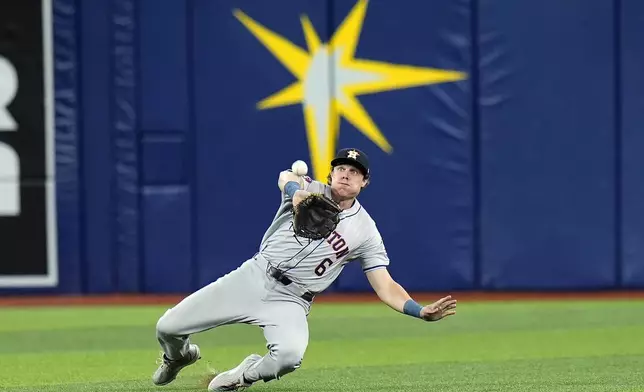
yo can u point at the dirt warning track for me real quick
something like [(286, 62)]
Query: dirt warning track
[(468, 296)]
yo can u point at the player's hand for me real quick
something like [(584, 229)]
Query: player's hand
[(299, 196), (442, 308)]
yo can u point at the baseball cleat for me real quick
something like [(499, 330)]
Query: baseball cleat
[(233, 379), (168, 370)]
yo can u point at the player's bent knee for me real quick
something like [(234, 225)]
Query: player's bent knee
[(289, 358), (166, 326)]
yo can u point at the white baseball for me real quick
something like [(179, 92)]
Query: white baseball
[(300, 168)]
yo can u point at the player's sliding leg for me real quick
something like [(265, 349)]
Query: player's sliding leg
[(231, 299), (287, 335)]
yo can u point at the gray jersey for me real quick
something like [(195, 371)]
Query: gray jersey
[(316, 264)]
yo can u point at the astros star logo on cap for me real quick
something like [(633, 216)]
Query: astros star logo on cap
[(353, 154)]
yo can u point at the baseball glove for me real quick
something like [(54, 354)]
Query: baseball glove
[(316, 217)]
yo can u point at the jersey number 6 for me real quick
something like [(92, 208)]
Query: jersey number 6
[(321, 268)]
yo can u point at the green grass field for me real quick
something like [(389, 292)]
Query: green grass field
[(494, 346)]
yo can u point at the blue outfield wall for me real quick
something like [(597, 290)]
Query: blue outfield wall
[(523, 174), (547, 151)]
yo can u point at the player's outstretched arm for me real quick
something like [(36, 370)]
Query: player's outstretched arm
[(397, 298)]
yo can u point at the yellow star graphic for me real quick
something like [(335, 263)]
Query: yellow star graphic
[(329, 79)]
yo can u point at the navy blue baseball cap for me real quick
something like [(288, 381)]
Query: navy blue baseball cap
[(353, 157)]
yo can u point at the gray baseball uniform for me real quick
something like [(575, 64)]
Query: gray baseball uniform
[(256, 293)]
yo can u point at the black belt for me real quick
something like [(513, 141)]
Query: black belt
[(283, 279)]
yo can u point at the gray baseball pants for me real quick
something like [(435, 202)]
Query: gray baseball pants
[(246, 295)]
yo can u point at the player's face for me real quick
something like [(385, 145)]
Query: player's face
[(347, 181)]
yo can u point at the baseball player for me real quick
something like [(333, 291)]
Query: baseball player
[(275, 288)]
